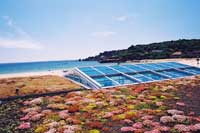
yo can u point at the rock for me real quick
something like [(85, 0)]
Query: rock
[(182, 128), (25, 125), (166, 119), (179, 118), (127, 129), (174, 111)]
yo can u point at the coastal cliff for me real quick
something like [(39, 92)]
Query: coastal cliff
[(182, 48)]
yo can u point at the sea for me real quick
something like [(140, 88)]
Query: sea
[(10, 68)]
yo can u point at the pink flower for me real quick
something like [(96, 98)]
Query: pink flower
[(163, 128), (153, 131), (36, 101), (155, 124), (159, 103), (25, 125), (179, 118), (117, 111), (128, 121), (127, 129), (52, 130), (47, 111), (137, 125), (191, 113), (108, 115), (63, 114), (36, 117), (174, 111), (166, 119), (147, 117), (147, 123), (33, 109), (26, 117), (196, 127), (180, 104), (182, 128)]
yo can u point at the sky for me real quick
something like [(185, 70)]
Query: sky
[(41, 30)]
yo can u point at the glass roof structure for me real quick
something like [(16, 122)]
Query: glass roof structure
[(96, 77)]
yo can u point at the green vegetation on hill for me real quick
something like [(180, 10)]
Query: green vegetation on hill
[(169, 49)]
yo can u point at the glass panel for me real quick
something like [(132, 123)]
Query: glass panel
[(193, 70), (123, 79), (122, 69), (106, 70), (153, 76), (141, 77), (174, 64), (135, 68), (164, 66), (157, 67), (90, 71), (147, 66), (104, 81), (179, 64), (174, 73)]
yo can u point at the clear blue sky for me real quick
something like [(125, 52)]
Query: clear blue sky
[(33, 30)]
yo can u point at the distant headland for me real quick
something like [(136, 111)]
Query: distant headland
[(182, 48)]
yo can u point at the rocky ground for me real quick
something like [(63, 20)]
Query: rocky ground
[(159, 107)]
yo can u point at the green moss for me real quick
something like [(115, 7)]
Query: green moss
[(131, 97), (176, 98), (163, 108), (54, 117), (40, 129), (173, 130), (163, 97), (121, 116), (94, 131), (153, 97), (130, 106), (155, 88), (142, 105)]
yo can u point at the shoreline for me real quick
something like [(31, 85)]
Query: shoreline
[(191, 62), (28, 74)]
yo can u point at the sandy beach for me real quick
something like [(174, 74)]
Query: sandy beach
[(191, 62), (27, 74)]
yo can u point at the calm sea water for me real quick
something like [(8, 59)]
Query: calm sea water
[(8, 68)]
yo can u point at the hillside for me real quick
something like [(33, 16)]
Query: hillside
[(169, 49)]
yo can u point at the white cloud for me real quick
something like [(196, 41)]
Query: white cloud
[(20, 44), (15, 27), (22, 39), (103, 34), (121, 18)]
